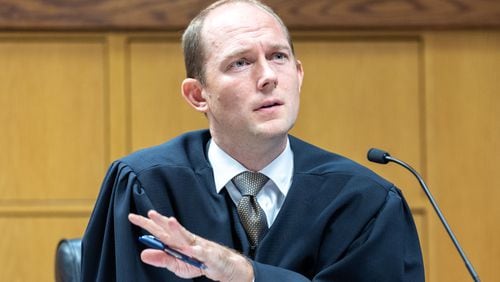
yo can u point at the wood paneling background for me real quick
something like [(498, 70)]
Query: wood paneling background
[(54, 124), (73, 101), (463, 125)]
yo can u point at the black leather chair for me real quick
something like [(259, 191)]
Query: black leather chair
[(68, 259)]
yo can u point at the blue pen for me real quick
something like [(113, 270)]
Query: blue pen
[(152, 242)]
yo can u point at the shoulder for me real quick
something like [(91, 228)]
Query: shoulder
[(312, 160), (186, 150)]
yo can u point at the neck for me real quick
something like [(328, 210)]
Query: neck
[(254, 154)]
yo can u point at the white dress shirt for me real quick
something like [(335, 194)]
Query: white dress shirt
[(272, 195)]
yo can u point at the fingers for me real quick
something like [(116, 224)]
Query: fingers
[(161, 259), (172, 233), (223, 264), (183, 238), (144, 223), (156, 258), (166, 229)]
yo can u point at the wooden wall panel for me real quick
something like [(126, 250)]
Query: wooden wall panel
[(118, 100), (52, 117), (463, 71), (158, 111), (28, 244)]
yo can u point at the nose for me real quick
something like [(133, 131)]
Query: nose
[(268, 79)]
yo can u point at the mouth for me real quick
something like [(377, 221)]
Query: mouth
[(268, 105)]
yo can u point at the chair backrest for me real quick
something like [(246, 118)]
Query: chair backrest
[(68, 259)]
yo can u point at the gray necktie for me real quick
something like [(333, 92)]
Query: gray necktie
[(251, 214)]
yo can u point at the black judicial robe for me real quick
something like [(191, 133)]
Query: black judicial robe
[(339, 222)]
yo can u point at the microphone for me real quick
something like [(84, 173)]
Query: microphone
[(383, 157)]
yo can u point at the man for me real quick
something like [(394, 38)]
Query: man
[(318, 216)]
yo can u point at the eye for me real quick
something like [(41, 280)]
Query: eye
[(239, 64), (279, 56)]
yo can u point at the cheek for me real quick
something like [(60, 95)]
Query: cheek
[(295, 104), (232, 94), (224, 102), (293, 96)]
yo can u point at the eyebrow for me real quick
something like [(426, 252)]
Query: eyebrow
[(238, 52), (281, 47)]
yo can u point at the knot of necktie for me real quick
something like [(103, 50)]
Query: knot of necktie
[(249, 183)]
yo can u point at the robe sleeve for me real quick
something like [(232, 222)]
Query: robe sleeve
[(109, 245), (388, 249)]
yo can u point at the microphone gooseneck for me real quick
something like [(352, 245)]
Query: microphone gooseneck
[(383, 157)]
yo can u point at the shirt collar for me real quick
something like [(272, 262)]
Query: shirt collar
[(280, 170)]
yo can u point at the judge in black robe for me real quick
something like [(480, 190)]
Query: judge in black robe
[(339, 221)]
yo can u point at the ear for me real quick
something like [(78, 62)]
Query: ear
[(192, 91), (300, 73)]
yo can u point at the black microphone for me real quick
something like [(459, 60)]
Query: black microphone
[(383, 157)]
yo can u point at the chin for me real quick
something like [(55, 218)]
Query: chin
[(273, 130)]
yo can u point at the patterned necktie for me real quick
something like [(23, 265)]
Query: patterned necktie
[(251, 214)]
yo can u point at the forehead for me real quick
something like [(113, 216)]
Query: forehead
[(241, 23)]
